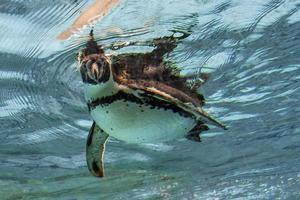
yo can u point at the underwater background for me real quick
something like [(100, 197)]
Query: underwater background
[(251, 48)]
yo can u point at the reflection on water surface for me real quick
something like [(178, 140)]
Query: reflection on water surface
[(251, 49)]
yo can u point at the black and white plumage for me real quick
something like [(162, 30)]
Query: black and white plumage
[(138, 97)]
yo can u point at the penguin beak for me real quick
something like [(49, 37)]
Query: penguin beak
[(94, 70)]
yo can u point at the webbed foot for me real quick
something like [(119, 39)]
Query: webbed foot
[(194, 134)]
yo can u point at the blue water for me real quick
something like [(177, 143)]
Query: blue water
[(251, 49)]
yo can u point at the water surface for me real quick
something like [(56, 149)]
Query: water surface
[(251, 49)]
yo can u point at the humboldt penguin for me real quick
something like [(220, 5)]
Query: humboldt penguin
[(138, 97)]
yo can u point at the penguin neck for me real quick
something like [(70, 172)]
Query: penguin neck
[(100, 90)]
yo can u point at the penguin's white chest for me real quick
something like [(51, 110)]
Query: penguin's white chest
[(136, 123)]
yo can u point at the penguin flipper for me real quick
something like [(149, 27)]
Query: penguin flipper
[(95, 147)]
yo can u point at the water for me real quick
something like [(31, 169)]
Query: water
[(252, 51)]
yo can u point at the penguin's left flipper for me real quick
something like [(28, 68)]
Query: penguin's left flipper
[(95, 147)]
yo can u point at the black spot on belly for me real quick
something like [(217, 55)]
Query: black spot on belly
[(107, 112)]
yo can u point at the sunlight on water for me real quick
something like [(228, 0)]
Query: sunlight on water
[(250, 49)]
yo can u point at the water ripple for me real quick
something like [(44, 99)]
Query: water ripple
[(250, 49)]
